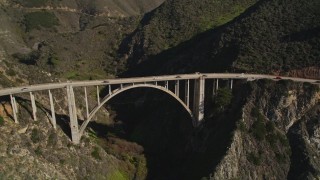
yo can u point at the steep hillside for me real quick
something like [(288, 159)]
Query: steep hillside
[(61, 38), (111, 8), (269, 37), (176, 21)]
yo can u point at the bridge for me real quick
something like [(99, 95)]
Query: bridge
[(179, 86)]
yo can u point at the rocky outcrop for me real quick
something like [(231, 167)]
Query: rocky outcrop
[(5, 110), (268, 154)]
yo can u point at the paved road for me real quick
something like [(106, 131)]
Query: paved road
[(249, 77)]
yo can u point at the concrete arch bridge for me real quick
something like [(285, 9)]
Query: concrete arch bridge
[(187, 89)]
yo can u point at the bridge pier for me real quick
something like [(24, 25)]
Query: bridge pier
[(34, 107), (231, 84), (217, 85), (14, 108), (198, 99), (187, 93), (53, 114), (176, 89), (73, 116), (98, 95), (213, 88), (86, 99)]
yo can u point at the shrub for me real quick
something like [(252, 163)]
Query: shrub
[(254, 159), (95, 153), (1, 121), (241, 126), (32, 3), (281, 158), (259, 130), (52, 139), (52, 60), (38, 151), (270, 126), (35, 135), (223, 98), (283, 139), (36, 20), (255, 112), (272, 139), (29, 59), (11, 72)]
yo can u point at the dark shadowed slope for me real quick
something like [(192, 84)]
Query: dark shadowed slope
[(269, 37)]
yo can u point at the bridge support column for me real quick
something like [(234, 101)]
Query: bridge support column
[(53, 114), (231, 84), (98, 95), (198, 99), (34, 107), (176, 89), (110, 90), (187, 93), (73, 116), (217, 84), (14, 108), (213, 88), (86, 99)]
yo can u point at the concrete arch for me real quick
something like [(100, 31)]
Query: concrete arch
[(125, 88)]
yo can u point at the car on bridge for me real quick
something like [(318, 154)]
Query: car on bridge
[(278, 77), (24, 89)]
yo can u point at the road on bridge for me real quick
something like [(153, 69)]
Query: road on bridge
[(50, 86)]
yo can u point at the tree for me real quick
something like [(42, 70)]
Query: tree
[(223, 99)]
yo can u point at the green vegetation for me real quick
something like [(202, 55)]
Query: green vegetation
[(267, 44), (271, 37), (52, 139), (222, 99), (254, 158), (1, 121), (53, 60), (35, 136), (38, 151), (241, 126), (270, 126), (92, 134), (76, 75), (235, 11), (29, 59), (179, 20), (281, 158), (117, 175), (35, 20), (11, 72), (258, 128), (95, 153), (32, 3)]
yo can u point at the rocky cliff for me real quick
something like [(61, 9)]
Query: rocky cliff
[(277, 136)]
